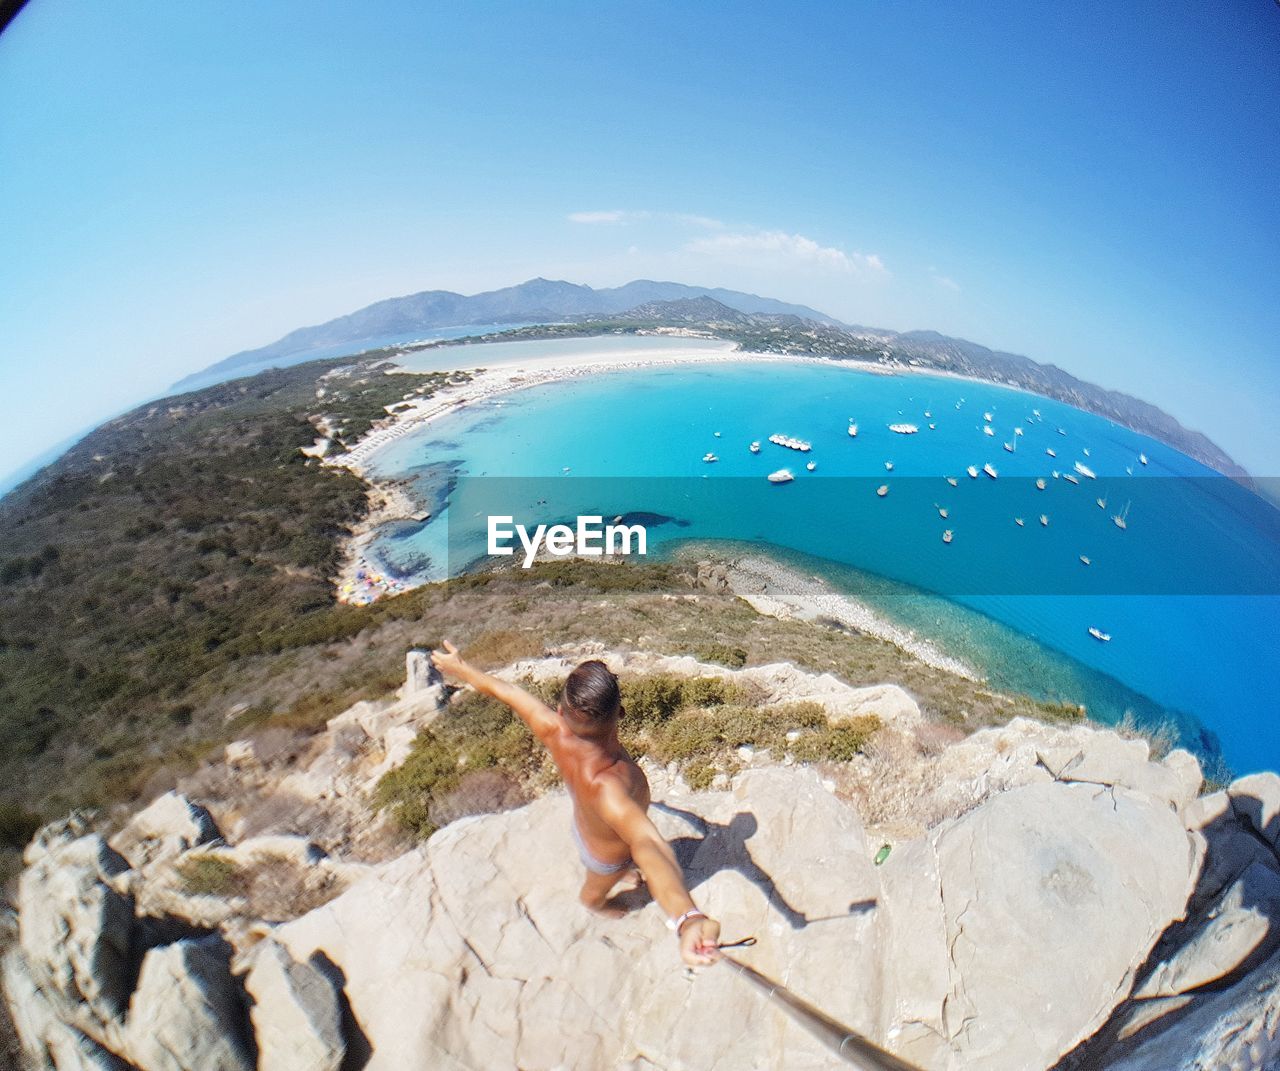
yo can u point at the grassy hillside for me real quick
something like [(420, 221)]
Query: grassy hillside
[(173, 542)]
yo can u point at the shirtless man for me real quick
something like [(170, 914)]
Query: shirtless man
[(610, 793)]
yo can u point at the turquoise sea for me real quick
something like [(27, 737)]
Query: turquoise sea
[(1189, 591)]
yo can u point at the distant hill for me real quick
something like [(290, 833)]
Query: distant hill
[(560, 309), (537, 300)]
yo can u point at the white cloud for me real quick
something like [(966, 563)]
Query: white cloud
[(779, 247), (946, 282)]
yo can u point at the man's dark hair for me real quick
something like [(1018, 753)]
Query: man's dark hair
[(591, 691)]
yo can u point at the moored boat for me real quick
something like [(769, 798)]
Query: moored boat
[(947, 536), (972, 470), (781, 476), (882, 490), (1098, 634), (1084, 470), (990, 470)]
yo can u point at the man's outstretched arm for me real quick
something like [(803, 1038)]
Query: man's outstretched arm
[(657, 862), (540, 718)]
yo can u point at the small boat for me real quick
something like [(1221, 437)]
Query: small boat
[(990, 470), (927, 414), (1122, 518), (1040, 484), (1102, 503), (781, 476), (1017, 431), (1057, 475), (1044, 520), (1086, 451), (987, 417), (988, 429), (1062, 431), (790, 443), (1010, 446), (811, 466), (933, 427), (1019, 522), (709, 457), (1035, 412), (1070, 479), (888, 466), (904, 429), (1084, 470), (953, 481), (972, 470), (853, 431), (947, 536), (1129, 469), (1142, 458), (1098, 634), (754, 447), (942, 512), (882, 490), (1085, 559), (1051, 451), (716, 434)]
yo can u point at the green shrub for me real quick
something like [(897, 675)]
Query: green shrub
[(209, 875), (699, 775), (722, 654)]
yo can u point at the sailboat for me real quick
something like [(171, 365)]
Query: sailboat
[(1102, 503), (953, 481), (1122, 518), (1011, 447), (1019, 522), (1051, 451)]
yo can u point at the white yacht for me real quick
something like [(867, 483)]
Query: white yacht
[(1085, 559), (1011, 447), (987, 429), (754, 447), (1051, 451), (947, 536), (1142, 458), (1122, 518), (853, 431), (1098, 634), (1084, 470), (942, 512), (953, 481), (972, 470), (781, 476), (708, 456), (987, 417), (888, 466), (990, 470), (1102, 503), (811, 466), (904, 429), (1040, 484), (1019, 522), (790, 443), (1044, 520), (882, 490), (1070, 478)]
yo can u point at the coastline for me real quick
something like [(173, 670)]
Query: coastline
[(780, 591)]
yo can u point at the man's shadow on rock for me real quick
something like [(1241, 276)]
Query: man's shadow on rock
[(723, 846)]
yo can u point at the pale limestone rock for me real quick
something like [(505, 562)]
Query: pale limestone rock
[(48, 1043), (1030, 876), (75, 929), (240, 754), (1235, 1029), (187, 1013), (171, 825), (1239, 926), (1256, 799), (296, 1014), (419, 674)]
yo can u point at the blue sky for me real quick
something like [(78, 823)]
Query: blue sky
[(1090, 184)]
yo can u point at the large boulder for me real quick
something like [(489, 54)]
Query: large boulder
[(171, 825), (75, 929), (983, 913), (297, 1016), (187, 1013)]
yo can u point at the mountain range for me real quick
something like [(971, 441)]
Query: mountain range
[(553, 308)]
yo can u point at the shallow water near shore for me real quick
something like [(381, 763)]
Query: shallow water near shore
[(1187, 591)]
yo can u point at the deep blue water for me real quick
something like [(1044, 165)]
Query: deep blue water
[(1189, 591)]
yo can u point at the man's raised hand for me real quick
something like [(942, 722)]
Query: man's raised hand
[(448, 661)]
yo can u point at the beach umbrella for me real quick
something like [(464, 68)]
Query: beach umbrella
[(849, 1045)]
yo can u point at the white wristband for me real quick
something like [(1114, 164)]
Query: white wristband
[(692, 913)]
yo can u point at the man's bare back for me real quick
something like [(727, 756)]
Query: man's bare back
[(610, 793)]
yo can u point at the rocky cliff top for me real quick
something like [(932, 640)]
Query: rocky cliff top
[(1052, 898)]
